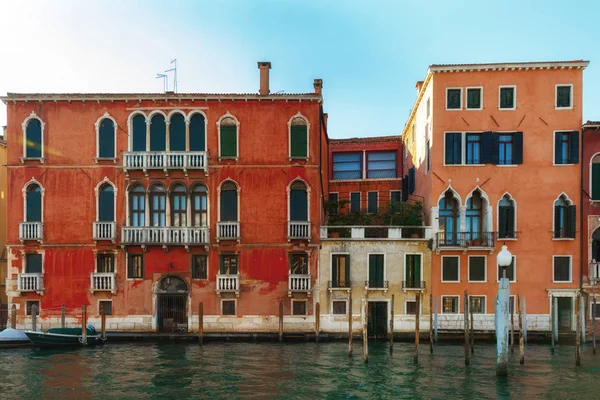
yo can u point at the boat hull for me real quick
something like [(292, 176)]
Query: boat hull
[(45, 339)]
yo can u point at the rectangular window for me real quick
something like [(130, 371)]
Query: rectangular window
[(298, 145), (30, 304), (566, 147), (511, 270), (427, 156), (381, 165), (228, 141), (340, 271), (228, 307), (473, 148), (298, 264), (355, 202), (333, 209), (105, 263), (505, 149), (507, 97), (562, 269), (33, 263), (339, 308), (106, 305), (477, 304), (298, 307), (511, 305), (477, 269), (229, 264), (453, 148), (411, 307), (564, 95), (453, 98), (412, 270), (474, 99), (428, 107), (450, 304), (372, 205), (347, 166), (135, 267), (450, 269), (376, 271), (595, 310), (396, 196), (199, 266)]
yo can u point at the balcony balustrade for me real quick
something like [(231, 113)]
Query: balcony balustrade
[(30, 282), (103, 282), (376, 232), (104, 231), (228, 283), (594, 273), (465, 239), (228, 230), (339, 285), (413, 285), (299, 230), (298, 283), (165, 235), (165, 160), (31, 231), (376, 285)]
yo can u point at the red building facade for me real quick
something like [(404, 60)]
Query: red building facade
[(149, 204)]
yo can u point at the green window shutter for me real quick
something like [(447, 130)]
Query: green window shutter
[(334, 270), (502, 222), (139, 133), (298, 205), (34, 139), (298, 141), (228, 141), (417, 268), (348, 271), (574, 147), (177, 133), (557, 226), (228, 205), (33, 263), (596, 181), (518, 148), (197, 132), (372, 269), (510, 221), (557, 148), (571, 222), (106, 139)]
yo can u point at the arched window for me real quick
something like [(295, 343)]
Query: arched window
[(298, 202), (137, 206), (595, 178), (177, 133), (139, 133), (298, 138), (228, 137), (564, 218), (158, 133), (178, 205), (106, 139), (474, 216), (158, 205), (199, 206), (106, 203), (449, 224), (33, 213), (229, 202), (506, 218), (33, 139), (197, 132)]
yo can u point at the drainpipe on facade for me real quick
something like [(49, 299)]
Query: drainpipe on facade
[(322, 126), (581, 236)]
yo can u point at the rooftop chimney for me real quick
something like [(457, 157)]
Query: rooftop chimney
[(264, 67), (318, 84), (419, 85)]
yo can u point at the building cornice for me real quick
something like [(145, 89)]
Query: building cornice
[(510, 66)]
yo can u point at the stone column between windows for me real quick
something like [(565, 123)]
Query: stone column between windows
[(434, 222), (187, 134), (148, 123), (364, 168), (167, 135), (462, 216), (188, 208), (489, 219)]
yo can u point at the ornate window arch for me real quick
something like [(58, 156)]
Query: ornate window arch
[(298, 136), (229, 201), (228, 127), (595, 177), (106, 137), (198, 126), (178, 196), (507, 217), (157, 121), (565, 218), (33, 137), (106, 201), (138, 131), (136, 201), (178, 127), (33, 201), (449, 217), (298, 193), (199, 205)]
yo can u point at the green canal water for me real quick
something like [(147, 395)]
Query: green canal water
[(292, 370)]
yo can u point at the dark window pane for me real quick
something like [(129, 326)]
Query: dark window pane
[(107, 306), (229, 205), (473, 98), (507, 97), (135, 269), (473, 148), (340, 271), (33, 263), (562, 269), (450, 269), (510, 271), (381, 165), (477, 304), (106, 203), (595, 310), (354, 202), (34, 204), (396, 196), (333, 209), (347, 166), (177, 133), (30, 305), (299, 308), (563, 96), (376, 271), (228, 307), (139, 133), (229, 264), (453, 150), (298, 141), (199, 270), (477, 268), (339, 307), (372, 205), (411, 307), (228, 141), (298, 264), (106, 263), (106, 139), (158, 133), (450, 305), (453, 99), (33, 147), (298, 205), (197, 132), (505, 149)]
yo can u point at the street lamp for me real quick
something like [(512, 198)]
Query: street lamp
[(504, 259)]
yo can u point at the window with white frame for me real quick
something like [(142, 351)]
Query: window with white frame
[(566, 148), (106, 138), (477, 269), (511, 270), (561, 269), (298, 138), (450, 304), (228, 138), (339, 307), (564, 96), (565, 216), (411, 307), (228, 307), (507, 97), (33, 132), (105, 306), (477, 304), (474, 98), (453, 98), (450, 269), (299, 307)]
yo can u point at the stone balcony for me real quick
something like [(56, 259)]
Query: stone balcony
[(104, 231), (103, 282), (228, 283), (299, 283), (30, 282), (165, 160), (31, 231), (165, 235), (298, 230)]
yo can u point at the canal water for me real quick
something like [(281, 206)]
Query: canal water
[(292, 370)]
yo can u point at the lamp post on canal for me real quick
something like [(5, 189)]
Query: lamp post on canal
[(504, 259)]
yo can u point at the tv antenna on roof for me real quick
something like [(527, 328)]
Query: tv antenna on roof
[(165, 79), (174, 70)]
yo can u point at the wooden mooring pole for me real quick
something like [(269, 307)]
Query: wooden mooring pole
[(83, 323), (13, 317), (365, 320), (350, 324), (280, 321), (521, 333), (201, 323), (417, 332), (512, 329), (317, 321), (430, 323), (466, 320), (435, 319), (578, 332), (472, 331), (391, 332), (34, 311), (63, 313), (552, 323), (102, 321), (593, 326)]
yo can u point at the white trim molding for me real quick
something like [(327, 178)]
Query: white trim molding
[(298, 115), (97, 124), (514, 107), (237, 135), (24, 125), (556, 107)]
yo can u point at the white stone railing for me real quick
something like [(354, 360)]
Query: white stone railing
[(299, 230), (228, 230), (228, 283), (376, 232), (165, 235), (31, 231), (31, 282), (594, 273), (165, 160), (104, 231), (103, 282), (299, 283)]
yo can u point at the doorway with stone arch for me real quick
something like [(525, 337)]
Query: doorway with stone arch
[(171, 304)]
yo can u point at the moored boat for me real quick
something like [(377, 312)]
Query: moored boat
[(13, 338), (59, 337)]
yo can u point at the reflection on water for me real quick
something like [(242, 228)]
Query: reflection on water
[(306, 370)]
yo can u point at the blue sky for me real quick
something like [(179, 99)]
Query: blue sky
[(368, 53)]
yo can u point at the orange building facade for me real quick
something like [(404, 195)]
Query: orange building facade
[(149, 204), (495, 149)]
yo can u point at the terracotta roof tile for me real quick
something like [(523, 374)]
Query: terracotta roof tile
[(374, 139)]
